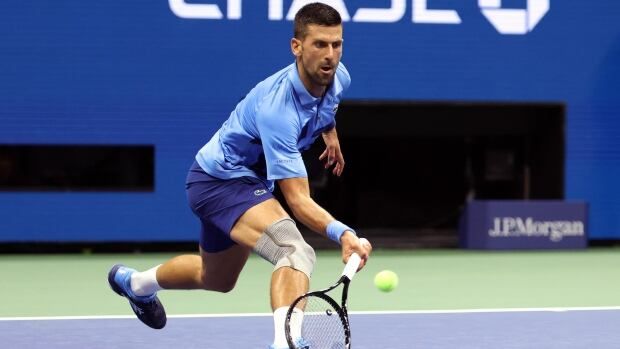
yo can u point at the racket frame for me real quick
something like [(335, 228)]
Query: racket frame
[(344, 280)]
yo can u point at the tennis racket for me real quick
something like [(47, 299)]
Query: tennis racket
[(324, 323)]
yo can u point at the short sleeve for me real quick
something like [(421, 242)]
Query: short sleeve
[(278, 134), (344, 78)]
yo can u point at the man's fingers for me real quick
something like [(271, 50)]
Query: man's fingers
[(365, 242), (364, 253), (366, 245), (331, 157)]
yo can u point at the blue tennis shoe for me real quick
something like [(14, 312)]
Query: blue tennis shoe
[(299, 344), (148, 309)]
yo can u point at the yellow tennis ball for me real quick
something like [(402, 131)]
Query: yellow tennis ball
[(386, 280)]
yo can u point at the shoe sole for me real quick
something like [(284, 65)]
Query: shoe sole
[(111, 281)]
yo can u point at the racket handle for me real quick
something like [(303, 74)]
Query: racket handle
[(351, 268)]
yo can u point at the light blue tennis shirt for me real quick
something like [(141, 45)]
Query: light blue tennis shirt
[(266, 133)]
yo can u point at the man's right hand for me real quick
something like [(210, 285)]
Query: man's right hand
[(351, 243)]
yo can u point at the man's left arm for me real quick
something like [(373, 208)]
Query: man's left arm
[(332, 153)]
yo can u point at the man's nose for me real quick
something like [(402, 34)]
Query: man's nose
[(330, 52)]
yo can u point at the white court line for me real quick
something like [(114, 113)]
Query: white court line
[(396, 312)]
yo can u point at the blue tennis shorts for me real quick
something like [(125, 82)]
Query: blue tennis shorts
[(219, 203)]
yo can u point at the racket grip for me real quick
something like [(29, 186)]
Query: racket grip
[(351, 268)]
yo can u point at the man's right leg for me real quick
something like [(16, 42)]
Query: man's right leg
[(214, 271), (218, 204)]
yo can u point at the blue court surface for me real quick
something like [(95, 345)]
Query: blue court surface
[(591, 328)]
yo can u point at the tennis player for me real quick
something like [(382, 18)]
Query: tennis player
[(230, 184)]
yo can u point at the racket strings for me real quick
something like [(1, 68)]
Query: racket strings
[(322, 326)]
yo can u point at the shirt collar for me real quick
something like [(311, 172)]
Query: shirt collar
[(306, 99)]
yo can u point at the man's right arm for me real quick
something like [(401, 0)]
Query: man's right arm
[(296, 191)]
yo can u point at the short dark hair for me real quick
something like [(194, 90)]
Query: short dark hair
[(315, 13)]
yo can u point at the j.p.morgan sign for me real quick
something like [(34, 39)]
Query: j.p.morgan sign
[(524, 224), (553, 230)]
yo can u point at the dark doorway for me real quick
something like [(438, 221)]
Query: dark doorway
[(411, 167)]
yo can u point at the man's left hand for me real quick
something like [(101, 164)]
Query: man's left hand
[(332, 153)]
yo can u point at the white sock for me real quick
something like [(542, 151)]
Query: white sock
[(279, 317), (297, 319), (145, 283)]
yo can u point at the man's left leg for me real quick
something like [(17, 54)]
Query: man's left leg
[(267, 229)]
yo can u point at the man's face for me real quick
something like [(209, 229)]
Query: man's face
[(319, 54)]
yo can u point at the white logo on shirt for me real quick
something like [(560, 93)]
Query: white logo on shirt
[(259, 192)]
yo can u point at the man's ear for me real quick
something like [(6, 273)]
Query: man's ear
[(296, 47)]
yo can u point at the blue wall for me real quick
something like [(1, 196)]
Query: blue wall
[(133, 72)]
